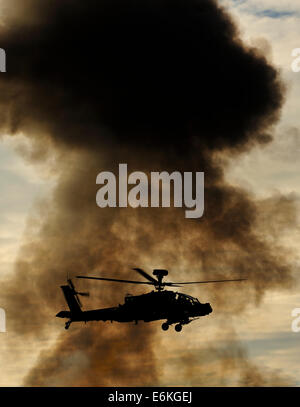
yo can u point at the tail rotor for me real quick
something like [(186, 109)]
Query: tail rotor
[(77, 293)]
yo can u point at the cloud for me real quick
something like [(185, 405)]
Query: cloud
[(271, 8)]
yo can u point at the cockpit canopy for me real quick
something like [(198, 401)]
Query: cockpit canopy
[(186, 298)]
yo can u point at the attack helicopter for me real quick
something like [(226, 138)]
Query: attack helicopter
[(173, 307)]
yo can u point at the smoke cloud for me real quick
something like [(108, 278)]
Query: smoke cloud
[(160, 85)]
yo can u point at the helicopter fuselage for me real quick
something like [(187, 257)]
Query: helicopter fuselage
[(172, 306), (176, 308)]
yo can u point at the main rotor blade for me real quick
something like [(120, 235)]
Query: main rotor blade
[(78, 300), (209, 281), (83, 294), (114, 279), (146, 275), (71, 283)]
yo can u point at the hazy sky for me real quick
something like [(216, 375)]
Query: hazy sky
[(275, 169)]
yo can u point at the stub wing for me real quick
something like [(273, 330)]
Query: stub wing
[(105, 314)]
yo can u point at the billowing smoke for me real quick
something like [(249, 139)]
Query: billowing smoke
[(160, 85)]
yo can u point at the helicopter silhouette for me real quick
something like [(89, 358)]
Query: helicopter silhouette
[(176, 308)]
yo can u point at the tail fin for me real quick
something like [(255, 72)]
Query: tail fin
[(71, 299)]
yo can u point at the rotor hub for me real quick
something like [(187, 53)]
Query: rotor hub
[(160, 274)]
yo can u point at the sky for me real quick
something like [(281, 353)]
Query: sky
[(276, 170), (264, 331)]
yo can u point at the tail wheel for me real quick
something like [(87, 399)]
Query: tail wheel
[(67, 326), (178, 327), (165, 326)]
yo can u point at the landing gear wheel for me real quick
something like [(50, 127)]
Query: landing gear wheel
[(178, 327), (67, 326), (165, 326)]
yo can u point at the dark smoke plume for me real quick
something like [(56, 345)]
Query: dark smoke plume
[(160, 85)]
